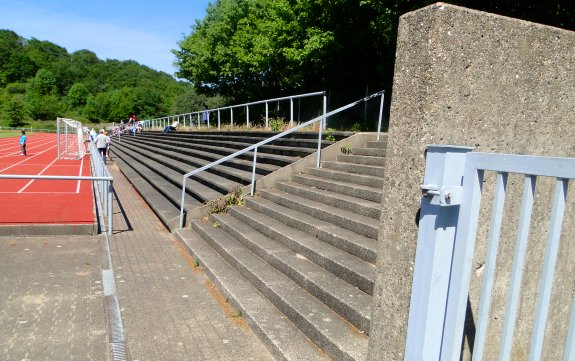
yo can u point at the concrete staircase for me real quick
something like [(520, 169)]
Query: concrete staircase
[(298, 260), (155, 163)]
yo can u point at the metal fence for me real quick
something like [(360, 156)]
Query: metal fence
[(196, 118), (103, 184)]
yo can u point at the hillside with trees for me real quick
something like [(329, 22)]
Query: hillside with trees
[(40, 80)]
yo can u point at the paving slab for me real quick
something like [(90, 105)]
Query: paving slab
[(170, 309)]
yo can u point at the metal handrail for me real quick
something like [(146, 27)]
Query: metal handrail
[(166, 119), (103, 186), (254, 147)]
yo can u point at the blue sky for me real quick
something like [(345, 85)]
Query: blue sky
[(145, 31)]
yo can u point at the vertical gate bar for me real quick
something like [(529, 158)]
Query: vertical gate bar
[(267, 120), (219, 120), (318, 162), (549, 262), (489, 273), (517, 270), (324, 111), (461, 263), (444, 167)]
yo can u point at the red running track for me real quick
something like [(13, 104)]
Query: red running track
[(27, 201)]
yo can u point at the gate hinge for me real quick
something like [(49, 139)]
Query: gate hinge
[(444, 196)]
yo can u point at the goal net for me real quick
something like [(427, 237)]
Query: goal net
[(71, 137)]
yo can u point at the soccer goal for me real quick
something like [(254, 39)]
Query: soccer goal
[(71, 139)]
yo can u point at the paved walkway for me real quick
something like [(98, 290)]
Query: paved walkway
[(51, 301)]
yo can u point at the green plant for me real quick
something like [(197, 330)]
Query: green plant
[(216, 225), (196, 262), (356, 127), (236, 313), (276, 124), (346, 148), (329, 134), (220, 205)]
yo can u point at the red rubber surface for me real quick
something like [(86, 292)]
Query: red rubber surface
[(25, 201)]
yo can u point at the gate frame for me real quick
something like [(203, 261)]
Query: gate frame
[(446, 243)]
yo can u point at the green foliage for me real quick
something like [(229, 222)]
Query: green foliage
[(276, 124), (356, 127), (329, 134), (220, 205), (346, 148), (216, 225), (14, 111), (57, 83)]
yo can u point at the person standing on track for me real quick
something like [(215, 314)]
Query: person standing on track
[(101, 143), (23, 143)]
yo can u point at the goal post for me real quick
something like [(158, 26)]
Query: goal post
[(71, 138)]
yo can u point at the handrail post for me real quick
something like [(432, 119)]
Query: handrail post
[(199, 120), (247, 116), (324, 121), (218, 119), (232, 117), (182, 203), (110, 207), (318, 162), (267, 121), (291, 111), (254, 171), (380, 114)]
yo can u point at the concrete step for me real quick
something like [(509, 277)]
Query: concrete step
[(376, 171), (176, 169), (346, 240), (366, 226), (241, 171), (361, 159), (354, 190), (353, 204), (370, 152), (167, 212), (355, 178), (382, 143), (347, 300), (321, 324), (284, 340), (351, 269), (163, 180)]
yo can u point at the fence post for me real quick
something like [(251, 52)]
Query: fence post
[(247, 116), (232, 117), (291, 111), (380, 115), (254, 171), (110, 207), (442, 191), (267, 121)]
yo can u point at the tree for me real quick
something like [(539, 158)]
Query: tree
[(77, 96), (15, 111)]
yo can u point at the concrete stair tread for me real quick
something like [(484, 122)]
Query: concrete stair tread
[(281, 336), (376, 170), (319, 322), (356, 190), (175, 168), (369, 227), (361, 159), (344, 239), (350, 268), (353, 204), (188, 159), (168, 213), (158, 172), (172, 192), (324, 285), (350, 177)]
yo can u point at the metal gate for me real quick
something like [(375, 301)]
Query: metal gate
[(448, 225)]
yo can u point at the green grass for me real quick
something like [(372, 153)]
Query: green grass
[(9, 133)]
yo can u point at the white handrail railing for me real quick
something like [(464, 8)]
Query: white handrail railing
[(254, 147), (163, 121)]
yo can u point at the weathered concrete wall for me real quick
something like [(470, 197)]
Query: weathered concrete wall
[(497, 84)]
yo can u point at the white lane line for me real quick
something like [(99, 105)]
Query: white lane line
[(25, 159), (79, 175), (32, 180)]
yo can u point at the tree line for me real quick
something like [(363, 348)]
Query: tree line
[(255, 49), (40, 80), (242, 50)]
